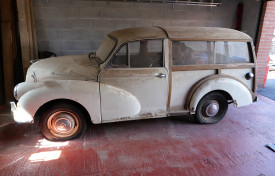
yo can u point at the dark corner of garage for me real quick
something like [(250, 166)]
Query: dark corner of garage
[(137, 87)]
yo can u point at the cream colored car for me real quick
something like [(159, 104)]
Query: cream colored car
[(140, 73)]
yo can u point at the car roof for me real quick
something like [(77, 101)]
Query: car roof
[(181, 33), (139, 33)]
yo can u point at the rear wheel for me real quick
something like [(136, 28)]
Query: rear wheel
[(62, 122), (211, 108)]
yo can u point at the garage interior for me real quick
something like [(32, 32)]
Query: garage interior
[(32, 29)]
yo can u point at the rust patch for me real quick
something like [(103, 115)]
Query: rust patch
[(146, 115), (124, 118), (51, 84)]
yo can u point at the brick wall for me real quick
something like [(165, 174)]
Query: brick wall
[(264, 43), (79, 26)]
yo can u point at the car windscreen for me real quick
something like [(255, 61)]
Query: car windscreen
[(105, 48)]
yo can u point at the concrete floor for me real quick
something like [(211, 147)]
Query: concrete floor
[(167, 146), (269, 89)]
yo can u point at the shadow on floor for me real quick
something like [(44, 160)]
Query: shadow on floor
[(5, 116), (6, 119)]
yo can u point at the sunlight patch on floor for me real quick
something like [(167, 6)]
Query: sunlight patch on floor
[(45, 156)]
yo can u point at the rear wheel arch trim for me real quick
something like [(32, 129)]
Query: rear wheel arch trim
[(207, 78), (219, 85)]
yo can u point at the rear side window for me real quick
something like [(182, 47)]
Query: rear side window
[(232, 52), (139, 54), (206, 52)]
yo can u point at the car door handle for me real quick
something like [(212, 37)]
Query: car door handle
[(160, 75)]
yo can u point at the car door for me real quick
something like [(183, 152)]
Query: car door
[(134, 84)]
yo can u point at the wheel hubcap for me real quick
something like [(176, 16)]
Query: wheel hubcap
[(62, 123), (212, 109)]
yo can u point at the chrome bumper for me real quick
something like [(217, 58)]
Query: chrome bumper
[(20, 115), (13, 107)]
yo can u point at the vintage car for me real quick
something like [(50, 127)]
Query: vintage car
[(140, 73)]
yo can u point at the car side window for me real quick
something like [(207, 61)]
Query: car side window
[(192, 52), (139, 54), (232, 52), (121, 57), (207, 52), (146, 53)]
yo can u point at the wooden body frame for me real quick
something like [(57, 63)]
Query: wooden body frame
[(217, 67)]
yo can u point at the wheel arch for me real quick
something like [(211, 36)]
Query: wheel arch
[(82, 93), (48, 104), (232, 89), (224, 93)]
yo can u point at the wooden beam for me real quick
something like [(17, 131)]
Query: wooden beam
[(8, 46), (2, 88), (27, 32)]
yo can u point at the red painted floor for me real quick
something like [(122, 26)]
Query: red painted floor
[(168, 146)]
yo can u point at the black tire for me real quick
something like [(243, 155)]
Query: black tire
[(211, 108), (62, 121)]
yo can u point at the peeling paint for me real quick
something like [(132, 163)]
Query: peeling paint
[(124, 118), (146, 115)]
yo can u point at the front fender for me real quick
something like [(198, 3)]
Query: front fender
[(239, 93), (85, 93), (117, 103)]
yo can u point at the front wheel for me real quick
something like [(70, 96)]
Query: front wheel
[(211, 108), (62, 122)]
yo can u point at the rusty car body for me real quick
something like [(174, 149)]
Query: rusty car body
[(138, 73)]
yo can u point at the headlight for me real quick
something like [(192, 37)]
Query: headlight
[(15, 92)]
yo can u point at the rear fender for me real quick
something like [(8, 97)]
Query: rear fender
[(240, 94)]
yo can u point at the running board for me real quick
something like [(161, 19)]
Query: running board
[(178, 113)]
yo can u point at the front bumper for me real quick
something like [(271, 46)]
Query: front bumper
[(20, 115)]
